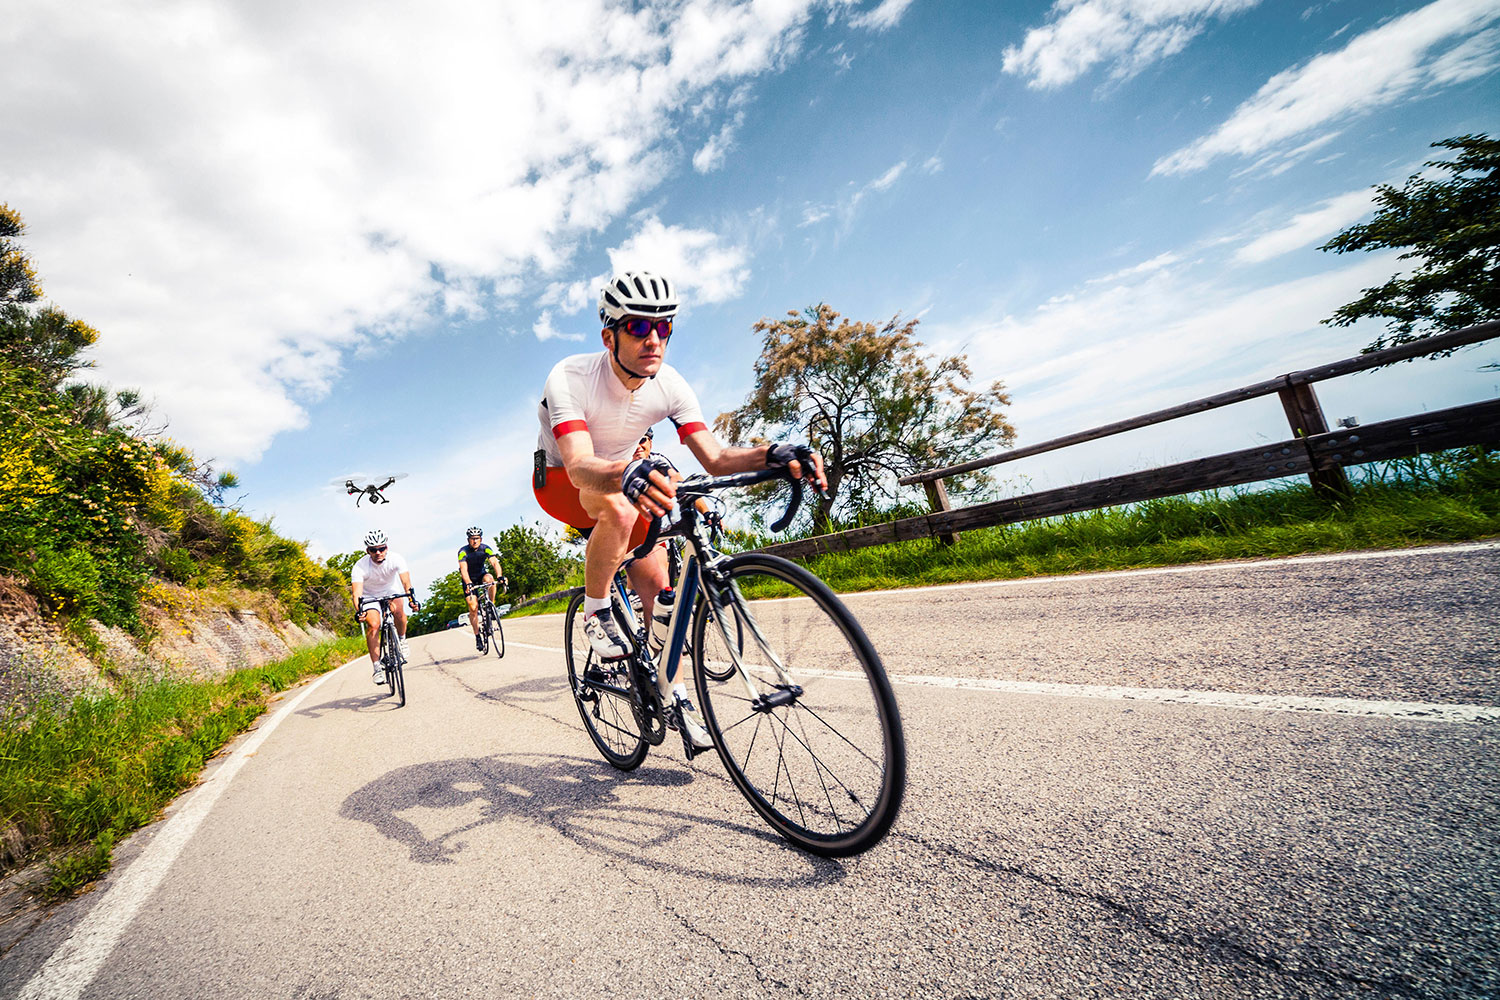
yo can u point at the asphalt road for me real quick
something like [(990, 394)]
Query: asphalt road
[(1135, 829)]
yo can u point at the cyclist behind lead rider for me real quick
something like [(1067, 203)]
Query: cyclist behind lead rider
[(379, 572), (594, 410), (472, 560)]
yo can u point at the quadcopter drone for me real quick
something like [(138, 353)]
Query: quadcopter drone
[(369, 491)]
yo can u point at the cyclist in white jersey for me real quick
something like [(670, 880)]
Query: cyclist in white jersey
[(381, 575), (594, 410)]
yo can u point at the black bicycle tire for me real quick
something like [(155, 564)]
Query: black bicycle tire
[(699, 663), (497, 631), (394, 675), (887, 800), (626, 761)]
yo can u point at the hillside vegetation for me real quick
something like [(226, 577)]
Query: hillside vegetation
[(95, 506)]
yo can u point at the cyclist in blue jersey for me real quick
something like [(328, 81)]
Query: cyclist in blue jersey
[(475, 560)]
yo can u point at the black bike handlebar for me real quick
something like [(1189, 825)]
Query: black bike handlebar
[(693, 487), (372, 601)]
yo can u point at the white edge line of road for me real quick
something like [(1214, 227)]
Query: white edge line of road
[(73, 966), (1413, 710)]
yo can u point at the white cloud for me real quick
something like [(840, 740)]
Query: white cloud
[(848, 206), (883, 17), (704, 269), (1155, 335), (1434, 46), (1308, 227), (711, 156), (1129, 34), (251, 191), (544, 329)]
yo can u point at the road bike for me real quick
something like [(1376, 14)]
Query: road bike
[(390, 643), (791, 690), (490, 629)]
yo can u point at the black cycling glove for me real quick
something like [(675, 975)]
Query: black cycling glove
[(636, 478), (779, 455)]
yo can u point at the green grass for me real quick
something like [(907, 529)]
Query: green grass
[(75, 778)]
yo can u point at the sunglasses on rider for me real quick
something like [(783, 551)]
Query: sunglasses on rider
[(374, 549), (641, 328)]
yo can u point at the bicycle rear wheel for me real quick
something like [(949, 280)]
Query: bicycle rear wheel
[(820, 754), (720, 668), (608, 717)]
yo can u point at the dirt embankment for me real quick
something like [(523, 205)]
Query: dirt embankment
[(190, 634)]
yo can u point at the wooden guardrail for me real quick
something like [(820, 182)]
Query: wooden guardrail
[(1313, 451), (569, 592)]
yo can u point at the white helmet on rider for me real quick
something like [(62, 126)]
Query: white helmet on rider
[(375, 537), (636, 293)]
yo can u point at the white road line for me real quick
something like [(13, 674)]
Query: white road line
[(1418, 710), (527, 645), (78, 960)]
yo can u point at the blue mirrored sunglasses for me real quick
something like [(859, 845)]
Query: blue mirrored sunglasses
[(641, 328)]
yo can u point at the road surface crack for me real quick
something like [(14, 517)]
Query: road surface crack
[(1205, 943)]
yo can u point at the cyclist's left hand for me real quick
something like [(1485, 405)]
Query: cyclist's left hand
[(801, 461), (415, 605)]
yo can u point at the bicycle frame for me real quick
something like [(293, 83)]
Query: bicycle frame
[(687, 586)]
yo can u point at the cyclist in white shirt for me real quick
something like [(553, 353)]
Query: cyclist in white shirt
[(382, 574), (594, 410)]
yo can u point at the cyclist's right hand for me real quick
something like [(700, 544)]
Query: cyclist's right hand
[(646, 483)]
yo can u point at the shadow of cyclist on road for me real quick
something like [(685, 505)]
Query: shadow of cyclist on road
[(433, 809), (378, 700)]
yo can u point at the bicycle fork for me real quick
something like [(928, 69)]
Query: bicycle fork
[(788, 690)]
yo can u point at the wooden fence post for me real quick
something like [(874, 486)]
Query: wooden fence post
[(1305, 415), (937, 495)]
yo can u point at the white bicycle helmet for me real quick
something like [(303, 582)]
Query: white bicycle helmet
[(375, 537), (636, 293), (474, 529)]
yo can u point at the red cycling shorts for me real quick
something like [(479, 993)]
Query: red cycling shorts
[(559, 498)]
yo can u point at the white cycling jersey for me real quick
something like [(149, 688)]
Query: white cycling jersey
[(583, 394), (381, 579)]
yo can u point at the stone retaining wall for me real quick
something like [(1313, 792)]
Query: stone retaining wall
[(192, 638)]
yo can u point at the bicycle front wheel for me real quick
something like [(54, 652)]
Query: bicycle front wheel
[(497, 633), (394, 676), (816, 745), (607, 717)]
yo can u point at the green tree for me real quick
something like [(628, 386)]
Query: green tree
[(445, 603), (42, 339), (533, 563), (870, 400), (344, 564), (1451, 226)]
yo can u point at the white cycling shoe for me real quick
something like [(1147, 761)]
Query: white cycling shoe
[(604, 635), (693, 722), (379, 675), (405, 648)]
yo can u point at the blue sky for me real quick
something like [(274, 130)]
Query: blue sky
[(350, 237)]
